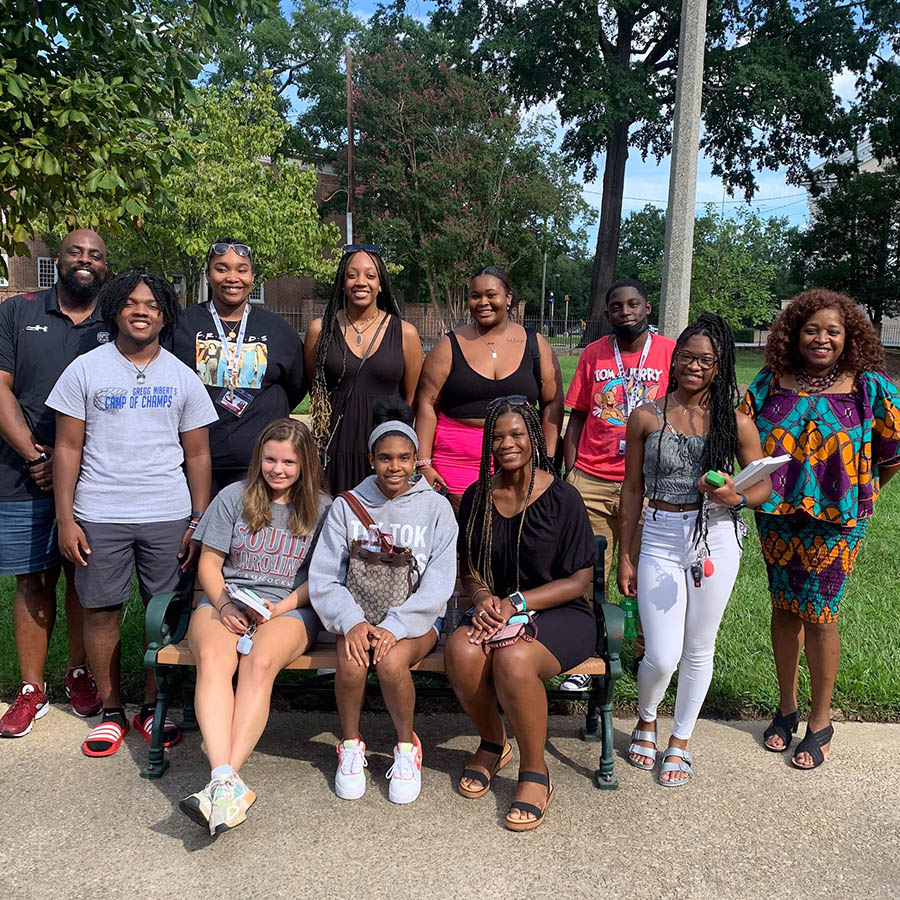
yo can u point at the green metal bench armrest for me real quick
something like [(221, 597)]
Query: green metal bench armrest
[(157, 618), (610, 619)]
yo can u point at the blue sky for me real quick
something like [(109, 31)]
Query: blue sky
[(649, 182)]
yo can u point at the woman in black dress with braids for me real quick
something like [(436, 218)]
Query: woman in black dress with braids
[(359, 351), (525, 545)]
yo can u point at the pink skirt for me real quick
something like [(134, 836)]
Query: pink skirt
[(456, 453)]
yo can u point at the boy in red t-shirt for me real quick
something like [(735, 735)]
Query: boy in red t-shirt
[(615, 375)]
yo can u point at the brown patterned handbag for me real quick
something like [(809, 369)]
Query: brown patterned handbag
[(378, 579)]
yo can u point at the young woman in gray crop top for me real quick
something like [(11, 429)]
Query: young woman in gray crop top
[(690, 548)]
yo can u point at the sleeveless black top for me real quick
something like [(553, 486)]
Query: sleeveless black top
[(466, 394)]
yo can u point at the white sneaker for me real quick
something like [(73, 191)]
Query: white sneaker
[(231, 799), (406, 772), (350, 780), (577, 682)]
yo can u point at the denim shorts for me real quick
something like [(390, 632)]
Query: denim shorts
[(306, 614), (29, 544)]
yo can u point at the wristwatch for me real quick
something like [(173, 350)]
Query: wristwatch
[(740, 504), (518, 601), (31, 463)]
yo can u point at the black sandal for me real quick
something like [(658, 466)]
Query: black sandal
[(812, 744), (503, 754), (784, 727), (536, 811)]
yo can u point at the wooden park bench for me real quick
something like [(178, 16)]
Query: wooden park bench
[(168, 654)]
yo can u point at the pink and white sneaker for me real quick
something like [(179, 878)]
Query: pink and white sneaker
[(406, 772), (350, 779)]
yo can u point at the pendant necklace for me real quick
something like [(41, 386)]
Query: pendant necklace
[(361, 331), (685, 409), (141, 377), (489, 344)]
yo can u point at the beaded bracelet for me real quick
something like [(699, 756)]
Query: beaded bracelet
[(423, 463)]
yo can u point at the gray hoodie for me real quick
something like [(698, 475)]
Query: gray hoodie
[(419, 518)]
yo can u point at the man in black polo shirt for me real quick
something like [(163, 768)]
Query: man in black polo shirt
[(40, 334)]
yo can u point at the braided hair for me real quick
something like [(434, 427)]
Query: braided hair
[(320, 395), (722, 442), (117, 290), (483, 500)]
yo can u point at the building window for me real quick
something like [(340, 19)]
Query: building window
[(4, 271), (46, 272), (257, 295)]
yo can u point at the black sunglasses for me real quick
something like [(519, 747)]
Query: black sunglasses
[(511, 400), (361, 248), (220, 248)]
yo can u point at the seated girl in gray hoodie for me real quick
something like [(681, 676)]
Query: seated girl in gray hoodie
[(404, 507)]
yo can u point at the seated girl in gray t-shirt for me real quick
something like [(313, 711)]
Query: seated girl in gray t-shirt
[(257, 536)]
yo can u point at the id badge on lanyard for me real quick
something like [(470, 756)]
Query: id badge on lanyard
[(632, 393), (231, 398)]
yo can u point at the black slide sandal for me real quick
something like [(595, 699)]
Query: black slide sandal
[(784, 727), (812, 743)]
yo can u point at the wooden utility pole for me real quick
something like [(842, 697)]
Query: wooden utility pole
[(675, 294), (351, 184)]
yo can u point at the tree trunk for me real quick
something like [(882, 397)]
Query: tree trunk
[(604, 270)]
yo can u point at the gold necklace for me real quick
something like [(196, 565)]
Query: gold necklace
[(686, 409), (360, 332), (489, 344)]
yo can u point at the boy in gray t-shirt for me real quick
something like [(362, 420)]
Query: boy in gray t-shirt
[(129, 414)]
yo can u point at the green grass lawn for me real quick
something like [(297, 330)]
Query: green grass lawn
[(743, 683)]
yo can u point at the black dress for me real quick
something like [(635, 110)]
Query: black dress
[(557, 542), (381, 377)]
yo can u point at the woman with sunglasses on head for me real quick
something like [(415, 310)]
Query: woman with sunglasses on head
[(526, 556), (250, 359), (358, 352), (257, 536), (470, 366), (692, 532)]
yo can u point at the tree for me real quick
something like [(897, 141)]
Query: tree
[(853, 242), (741, 265), (237, 185), (88, 95), (448, 178), (301, 56), (610, 68)]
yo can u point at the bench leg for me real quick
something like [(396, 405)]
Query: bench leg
[(188, 716), (604, 777), (156, 755), (590, 731)]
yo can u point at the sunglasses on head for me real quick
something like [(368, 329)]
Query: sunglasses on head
[(220, 248), (511, 400), (361, 248)]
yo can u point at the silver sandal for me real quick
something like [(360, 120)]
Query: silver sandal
[(638, 750), (685, 766)]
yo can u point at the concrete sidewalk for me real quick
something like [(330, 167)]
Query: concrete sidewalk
[(747, 826)]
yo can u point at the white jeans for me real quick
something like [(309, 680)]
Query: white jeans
[(681, 621)]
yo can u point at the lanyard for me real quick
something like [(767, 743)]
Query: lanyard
[(231, 358), (633, 393)]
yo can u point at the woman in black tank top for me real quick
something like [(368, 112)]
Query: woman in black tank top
[(471, 366), (359, 351)]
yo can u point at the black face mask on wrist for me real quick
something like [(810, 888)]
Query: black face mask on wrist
[(625, 334)]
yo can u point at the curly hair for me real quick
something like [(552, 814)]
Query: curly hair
[(320, 394), (116, 292), (862, 349)]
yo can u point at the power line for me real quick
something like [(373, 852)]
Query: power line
[(703, 202)]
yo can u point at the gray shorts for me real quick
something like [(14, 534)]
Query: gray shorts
[(29, 541), (150, 547), (306, 614)]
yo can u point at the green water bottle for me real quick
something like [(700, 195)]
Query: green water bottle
[(629, 606)]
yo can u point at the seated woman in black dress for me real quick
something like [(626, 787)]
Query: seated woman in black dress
[(525, 544)]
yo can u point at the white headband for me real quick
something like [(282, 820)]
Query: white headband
[(393, 425)]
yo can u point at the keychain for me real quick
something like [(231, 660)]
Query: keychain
[(245, 643), (703, 568)]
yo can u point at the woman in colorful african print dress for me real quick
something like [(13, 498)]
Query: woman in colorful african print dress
[(822, 399)]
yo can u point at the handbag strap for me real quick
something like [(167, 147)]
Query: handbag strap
[(363, 515), (349, 394)]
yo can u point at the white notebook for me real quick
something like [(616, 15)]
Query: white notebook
[(758, 469), (248, 598)]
